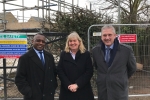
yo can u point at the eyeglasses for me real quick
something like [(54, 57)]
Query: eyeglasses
[(38, 40)]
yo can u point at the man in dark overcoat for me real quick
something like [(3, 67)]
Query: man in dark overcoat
[(115, 64), (36, 74)]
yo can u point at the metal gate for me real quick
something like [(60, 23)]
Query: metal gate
[(139, 83)]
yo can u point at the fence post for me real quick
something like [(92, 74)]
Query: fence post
[(5, 82)]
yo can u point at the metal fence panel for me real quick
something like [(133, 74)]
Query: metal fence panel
[(139, 83)]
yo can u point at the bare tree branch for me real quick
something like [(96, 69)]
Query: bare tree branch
[(132, 9)]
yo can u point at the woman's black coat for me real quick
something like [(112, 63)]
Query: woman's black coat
[(77, 71)]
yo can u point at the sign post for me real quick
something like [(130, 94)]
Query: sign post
[(5, 82)]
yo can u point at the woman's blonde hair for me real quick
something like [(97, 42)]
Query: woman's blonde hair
[(74, 35)]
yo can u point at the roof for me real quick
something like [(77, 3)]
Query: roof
[(2, 15), (38, 19)]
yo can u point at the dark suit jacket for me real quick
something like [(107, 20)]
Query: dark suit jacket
[(78, 71), (33, 80)]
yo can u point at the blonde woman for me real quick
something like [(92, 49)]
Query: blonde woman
[(75, 70)]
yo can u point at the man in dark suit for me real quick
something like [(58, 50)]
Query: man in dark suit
[(36, 74), (115, 64)]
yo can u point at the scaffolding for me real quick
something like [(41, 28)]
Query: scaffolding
[(43, 7)]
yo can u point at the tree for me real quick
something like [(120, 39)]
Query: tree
[(80, 20), (132, 10)]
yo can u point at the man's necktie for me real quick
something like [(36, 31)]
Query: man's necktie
[(41, 57), (107, 55)]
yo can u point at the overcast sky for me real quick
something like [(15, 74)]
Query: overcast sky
[(32, 3)]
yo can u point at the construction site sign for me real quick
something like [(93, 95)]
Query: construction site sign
[(12, 45)]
